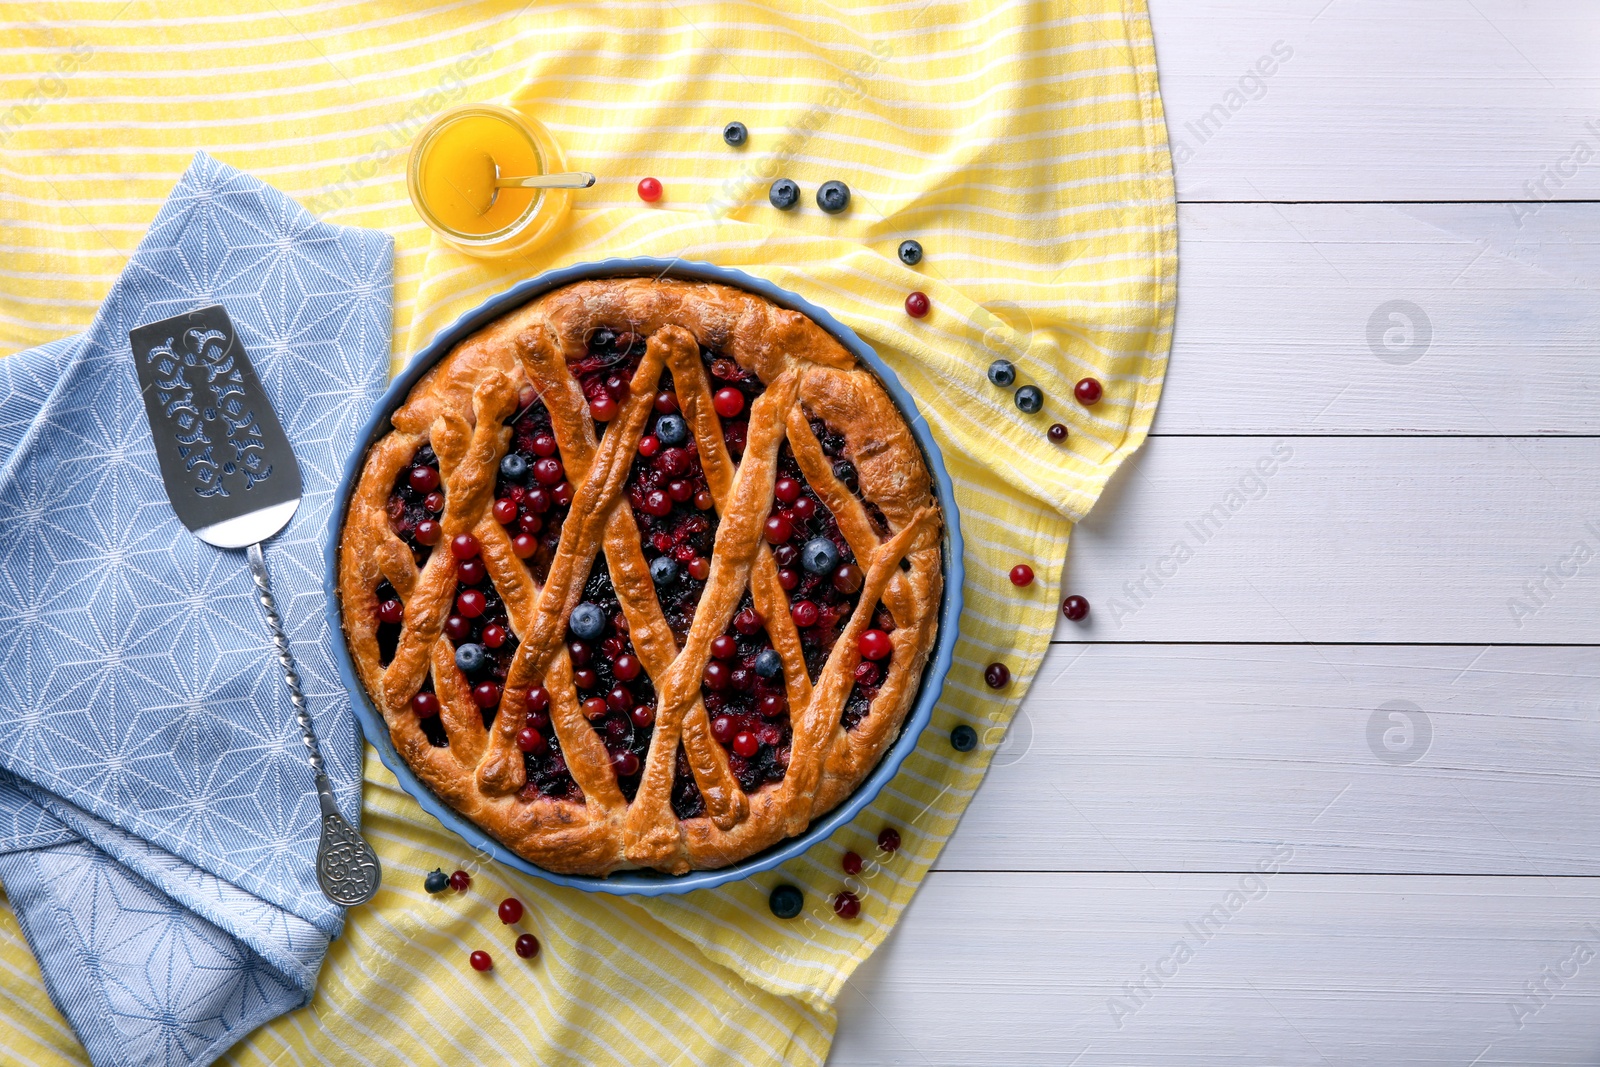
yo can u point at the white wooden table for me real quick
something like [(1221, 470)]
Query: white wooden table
[(1317, 784)]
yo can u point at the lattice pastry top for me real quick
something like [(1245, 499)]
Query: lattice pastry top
[(645, 574)]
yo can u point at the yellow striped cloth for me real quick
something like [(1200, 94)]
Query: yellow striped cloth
[(1021, 142)]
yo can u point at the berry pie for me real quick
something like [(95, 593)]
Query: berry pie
[(644, 575)]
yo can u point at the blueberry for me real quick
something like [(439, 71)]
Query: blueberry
[(784, 194), (833, 197), (910, 253), (671, 430), (514, 467), (963, 738), (587, 621), (786, 901), (470, 658), (664, 570), (436, 882), (768, 663), (819, 556), (602, 338), (735, 134), (1002, 372), (1029, 398)]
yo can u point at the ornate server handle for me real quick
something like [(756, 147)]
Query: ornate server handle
[(347, 868)]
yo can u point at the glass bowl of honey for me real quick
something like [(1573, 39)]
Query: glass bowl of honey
[(451, 177)]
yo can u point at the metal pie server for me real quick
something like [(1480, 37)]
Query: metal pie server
[(233, 480)]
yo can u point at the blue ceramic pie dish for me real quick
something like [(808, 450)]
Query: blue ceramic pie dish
[(647, 882)]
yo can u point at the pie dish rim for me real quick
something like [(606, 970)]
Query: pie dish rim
[(647, 882)]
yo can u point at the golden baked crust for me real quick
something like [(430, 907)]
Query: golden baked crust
[(477, 404)]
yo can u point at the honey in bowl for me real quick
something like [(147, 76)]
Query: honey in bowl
[(454, 163)]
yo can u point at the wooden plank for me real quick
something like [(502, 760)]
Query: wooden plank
[(1380, 100), (1383, 318), (1278, 969), (1383, 540), (1456, 760)]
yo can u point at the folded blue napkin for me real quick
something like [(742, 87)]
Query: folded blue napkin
[(158, 821)]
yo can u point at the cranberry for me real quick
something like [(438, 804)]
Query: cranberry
[(772, 705), (434, 502), (851, 863), (745, 744), (618, 388), (536, 720), (804, 509), (788, 579), (723, 646), (875, 644), (538, 501), (643, 716), (1075, 608), (563, 493), (510, 910), (625, 763), (544, 445), (648, 446), (530, 740), (683, 553), (524, 545), (1021, 575), (464, 546), (804, 613), (666, 403), (391, 611), (1088, 392), (716, 676), (486, 694), (779, 529), (787, 490), (471, 572), (471, 603), (997, 675), (425, 704), (505, 511), (846, 905), (889, 839), (625, 667), (594, 708), (723, 728), (619, 698), (1058, 432), (527, 946), (703, 501), (699, 568), (494, 635), (672, 462), (868, 673), (460, 880), (728, 402), (748, 622), (480, 961), (848, 578), (603, 408), (548, 471), (579, 652), (538, 699), (786, 555), (457, 628), (649, 190), (657, 503), (680, 491), (423, 479), (586, 679), (428, 532), (917, 305)]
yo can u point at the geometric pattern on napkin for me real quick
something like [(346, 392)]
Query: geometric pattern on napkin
[(158, 819)]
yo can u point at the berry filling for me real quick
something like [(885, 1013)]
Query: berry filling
[(877, 651), (478, 628), (833, 446), (672, 505), (390, 615), (617, 696), (745, 697), (531, 490), (426, 706), (815, 564), (733, 390), (606, 371), (415, 503), (687, 803)]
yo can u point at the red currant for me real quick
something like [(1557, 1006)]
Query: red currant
[(594, 708), (548, 471), (889, 839), (723, 728), (563, 493), (471, 603), (657, 503), (464, 546), (425, 704), (434, 502), (848, 578), (748, 622), (779, 529), (619, 698), (460, 880), (538, 698), (851, 863), (1075, 608), (486, 694), (494, 635), (846, 905), (997, 675), (666, 403), (391, 611), (804, 509), (649, 446), (603, 408), (510, 910), (745, 744), (680, 491), (643, 716), (471, 572), (699, 568), (505, 511), (429, 532), (917, 305), (1022, 575), (723, 646), (804, 613), (625, 667), (423, 479), (625, 763), (786, 490), (527, 946), (530, 740), (538, 500), (544, 445), (673, 462), (649, 190), (1058, 432), (524, 545), (716, 675), (457, 628), (728, 402), (875, 644), (703, 501), (1088, 392), (481, 961)]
